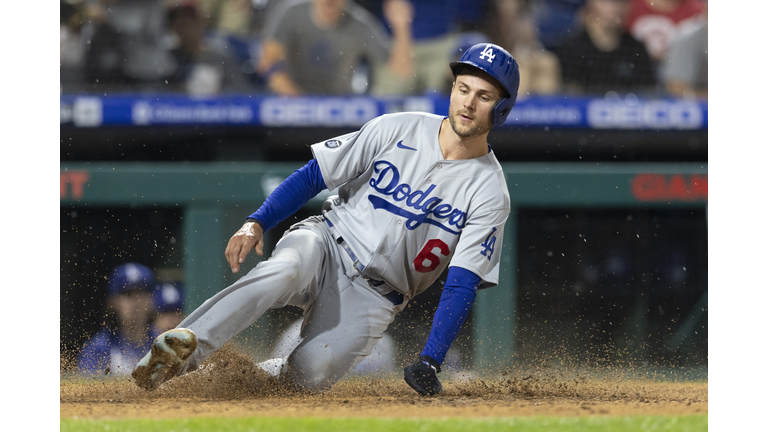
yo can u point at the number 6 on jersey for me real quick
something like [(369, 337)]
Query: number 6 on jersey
[(427, 254)]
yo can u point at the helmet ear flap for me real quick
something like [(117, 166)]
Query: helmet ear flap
[(501, 111)]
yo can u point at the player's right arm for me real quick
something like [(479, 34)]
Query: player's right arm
[(285, 200), (249, 236), (336, 161)]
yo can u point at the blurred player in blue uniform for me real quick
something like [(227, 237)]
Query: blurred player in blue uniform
[(127, 333)]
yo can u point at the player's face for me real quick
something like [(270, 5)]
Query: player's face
[(473, 97)]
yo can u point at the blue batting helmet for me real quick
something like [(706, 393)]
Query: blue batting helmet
[(130, 276), (169, 297), (498, 63)]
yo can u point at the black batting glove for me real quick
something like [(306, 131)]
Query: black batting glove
[(422, 376)]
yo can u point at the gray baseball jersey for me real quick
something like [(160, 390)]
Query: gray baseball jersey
[(405, 211)]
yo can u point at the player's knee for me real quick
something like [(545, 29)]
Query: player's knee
[(292, 269), (313, 372)]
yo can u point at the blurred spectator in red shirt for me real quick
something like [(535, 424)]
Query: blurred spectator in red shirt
[(603, 57), (657, 22)]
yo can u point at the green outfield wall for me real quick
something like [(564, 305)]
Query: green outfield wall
[(216, 197)]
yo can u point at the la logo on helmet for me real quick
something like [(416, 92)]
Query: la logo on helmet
[(487, 54)]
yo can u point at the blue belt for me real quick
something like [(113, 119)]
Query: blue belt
[(393, 296)]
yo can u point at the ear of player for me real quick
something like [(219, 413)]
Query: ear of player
[(422, 376), (500, 64)]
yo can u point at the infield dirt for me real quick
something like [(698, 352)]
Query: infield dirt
[(230, 385)]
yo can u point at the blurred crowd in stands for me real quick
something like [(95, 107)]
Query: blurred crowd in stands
[(379, 47)]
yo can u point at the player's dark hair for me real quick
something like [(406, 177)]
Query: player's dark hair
[(465, 69)]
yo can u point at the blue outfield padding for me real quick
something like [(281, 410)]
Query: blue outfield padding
[(620, 112)]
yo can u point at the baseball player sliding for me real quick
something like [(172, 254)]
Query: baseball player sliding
[(417, 193)]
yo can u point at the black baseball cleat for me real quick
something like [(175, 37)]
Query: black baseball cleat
[(170, 352)]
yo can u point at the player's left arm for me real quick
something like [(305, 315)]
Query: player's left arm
[(479, 246), (455, 302), (473, 266)]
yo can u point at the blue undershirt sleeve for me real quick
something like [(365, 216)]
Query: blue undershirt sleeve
[(458, 296), (301, 186)]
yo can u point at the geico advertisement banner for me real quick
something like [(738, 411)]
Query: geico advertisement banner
[(614, 112)]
